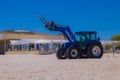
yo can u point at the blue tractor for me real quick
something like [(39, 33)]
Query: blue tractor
[(83, 44)]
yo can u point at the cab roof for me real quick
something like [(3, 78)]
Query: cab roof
[(84, 32)]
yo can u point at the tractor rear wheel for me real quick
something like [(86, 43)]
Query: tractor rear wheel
[(72, 53), (95, 50), (61, 54)]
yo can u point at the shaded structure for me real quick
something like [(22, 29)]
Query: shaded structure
[(29, 43)]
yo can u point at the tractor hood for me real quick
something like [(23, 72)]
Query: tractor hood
[(68, 44)]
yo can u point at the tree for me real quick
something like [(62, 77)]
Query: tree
[(118, 47), (116, 37), (108, 47), (8, 30)]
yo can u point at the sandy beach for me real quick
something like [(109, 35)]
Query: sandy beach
[(48, 67)]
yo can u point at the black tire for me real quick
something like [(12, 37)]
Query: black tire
[(72, 52), (95, 50), (83, 55), (61, 54)]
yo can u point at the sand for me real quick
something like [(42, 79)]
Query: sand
[(48, 67)]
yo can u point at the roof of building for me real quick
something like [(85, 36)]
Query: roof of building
[(27, 41), (30, 35)]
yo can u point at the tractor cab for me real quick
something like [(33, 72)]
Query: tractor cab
[(89, 43), (86, 36)]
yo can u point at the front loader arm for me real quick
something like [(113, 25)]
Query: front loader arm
[(55, 27)]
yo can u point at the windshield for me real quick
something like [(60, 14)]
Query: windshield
[(85, 36)]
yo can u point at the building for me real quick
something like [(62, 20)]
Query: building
[(29, 43), (3, 44)]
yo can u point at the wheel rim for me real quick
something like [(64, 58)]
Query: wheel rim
[(74, 53), (96, 51), (63, 55)]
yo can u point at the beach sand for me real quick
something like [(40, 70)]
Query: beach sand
[(48, 67)]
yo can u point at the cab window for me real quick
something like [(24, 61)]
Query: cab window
[(93, 36)]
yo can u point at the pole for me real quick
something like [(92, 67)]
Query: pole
[(113, 48)]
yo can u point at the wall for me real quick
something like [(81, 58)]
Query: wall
[(31, 36), (1, 36)]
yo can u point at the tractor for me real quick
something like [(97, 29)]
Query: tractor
[(84, 44)]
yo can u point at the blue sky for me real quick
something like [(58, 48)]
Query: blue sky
[(102, 16)]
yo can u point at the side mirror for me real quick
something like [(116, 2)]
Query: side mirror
[(98, 38)]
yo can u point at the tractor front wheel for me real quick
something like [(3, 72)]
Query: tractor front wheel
[(83, 55), (72, 53), (61, 54)]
